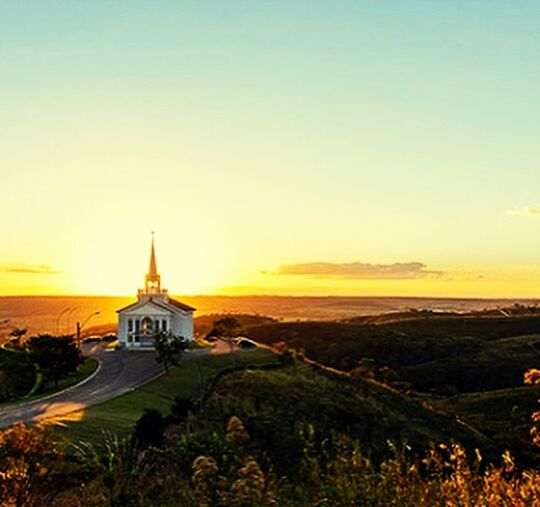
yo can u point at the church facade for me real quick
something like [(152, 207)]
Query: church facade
[(153, 312)]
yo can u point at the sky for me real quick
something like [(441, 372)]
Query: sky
[(275, 147)]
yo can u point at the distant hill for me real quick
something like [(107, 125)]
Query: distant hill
[(448, 355)]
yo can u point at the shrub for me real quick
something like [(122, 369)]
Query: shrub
[(31, 465), (150, 428)]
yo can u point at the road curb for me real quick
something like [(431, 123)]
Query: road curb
[(65, 390)]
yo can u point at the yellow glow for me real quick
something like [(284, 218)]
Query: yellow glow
[(297, 133)]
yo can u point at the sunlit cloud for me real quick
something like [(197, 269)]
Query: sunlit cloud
[(360, 270), (527, 211), (28, 270)]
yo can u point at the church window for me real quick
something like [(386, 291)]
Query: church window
[(147, 325), (164, 325), (137, 325), (130, 325)]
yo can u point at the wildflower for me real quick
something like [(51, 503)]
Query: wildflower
[(249, 487), (204, 478), (236, 433)]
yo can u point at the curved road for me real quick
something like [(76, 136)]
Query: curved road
[(120, 371)]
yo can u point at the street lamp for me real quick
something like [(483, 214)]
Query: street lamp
[(69, 314), (80, 326), (59, 317)]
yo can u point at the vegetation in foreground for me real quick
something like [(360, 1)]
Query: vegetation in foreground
[(205, 457)]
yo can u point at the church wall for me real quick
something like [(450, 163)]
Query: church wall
[(182, 325), (122, 329)]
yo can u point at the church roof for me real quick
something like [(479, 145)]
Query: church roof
[(181, 305), (162, 303), (128, 307)]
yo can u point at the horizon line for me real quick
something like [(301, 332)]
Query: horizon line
[(312, 296)]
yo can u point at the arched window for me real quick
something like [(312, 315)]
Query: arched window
[(147, 325)]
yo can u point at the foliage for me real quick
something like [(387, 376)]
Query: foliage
[(226, 327), (30, 464), (17, 374), (181, 408), (234, 466), (169, 348), (149, 428), (533, 377), (236, 480), (205, 323), (284, 408), (192, 445), (17, 335), (56, 356), (440, 355), (121, 469)]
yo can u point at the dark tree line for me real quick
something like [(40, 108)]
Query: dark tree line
[(55, 356)]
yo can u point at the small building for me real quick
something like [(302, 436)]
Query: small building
[(153, 312)]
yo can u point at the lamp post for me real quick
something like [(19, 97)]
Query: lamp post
[(80, 326), (69, 314), (59, 317)]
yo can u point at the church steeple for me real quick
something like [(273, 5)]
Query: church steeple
[(153, 280)]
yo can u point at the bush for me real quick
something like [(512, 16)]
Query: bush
[(150, 428), (31, 464)]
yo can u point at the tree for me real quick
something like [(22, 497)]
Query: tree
[(169, 348), (56, 356), (228, 327)]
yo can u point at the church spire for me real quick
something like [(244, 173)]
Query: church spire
[(153, 280), (152, 271)]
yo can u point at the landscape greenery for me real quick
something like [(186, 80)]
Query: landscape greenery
[(41, 365), (334, 413)]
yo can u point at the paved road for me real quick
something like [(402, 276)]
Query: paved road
[(120, 371)]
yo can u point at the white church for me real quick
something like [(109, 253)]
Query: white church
[(154, 311)]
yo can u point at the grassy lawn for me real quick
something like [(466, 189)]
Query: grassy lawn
[(120, 414)]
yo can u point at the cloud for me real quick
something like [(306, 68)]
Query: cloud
[(29, 270), (527, 211), (360, 270)]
